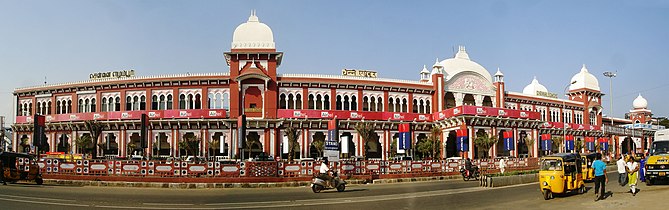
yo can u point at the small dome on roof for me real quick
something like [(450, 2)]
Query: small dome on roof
[(584, 79), (253, 35), (640, 102), (499, 73), (424, 71), (533, 87)]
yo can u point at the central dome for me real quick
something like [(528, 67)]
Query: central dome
[(533, 87), (462, 63), (253, 35), (640, 102)]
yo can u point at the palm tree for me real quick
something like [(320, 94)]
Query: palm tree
[(578, 145), (424, 147), (292, 134), (557, 143), (213, 144), (365, 131), (485, 142), (84, 143), (529, 143), (320, 146), (435, 138), (95, 128)]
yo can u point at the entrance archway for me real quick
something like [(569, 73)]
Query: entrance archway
[(317, 143), (161, 147), (627, 146), (63, 144), (451, 145), (373, 147), (252, 146), (350, 146)]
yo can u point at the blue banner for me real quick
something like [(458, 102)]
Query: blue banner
[(569, 145), (590, 146), (405, 140), (508, 144), (605, 146), (462, 143), (546, 145)]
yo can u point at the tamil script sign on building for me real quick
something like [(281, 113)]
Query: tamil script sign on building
[(112, 74)]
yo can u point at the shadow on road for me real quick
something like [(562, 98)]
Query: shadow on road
[(346, 191)]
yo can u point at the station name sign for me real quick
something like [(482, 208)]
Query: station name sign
[(547, 94), (359, 73), (112, 74)]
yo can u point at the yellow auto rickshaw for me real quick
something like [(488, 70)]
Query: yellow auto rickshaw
[(588, 171), (560, 173), (19, 166)]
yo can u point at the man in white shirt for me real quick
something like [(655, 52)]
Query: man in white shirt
[(622, 172), (323, 171), (502, 165)]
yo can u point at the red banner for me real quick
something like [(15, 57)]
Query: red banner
[(461, 132), (589, 139), (404, 128), (546, 136)]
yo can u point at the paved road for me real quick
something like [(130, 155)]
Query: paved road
[(450, 194)]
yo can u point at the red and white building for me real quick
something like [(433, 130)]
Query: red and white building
[(456, 94)]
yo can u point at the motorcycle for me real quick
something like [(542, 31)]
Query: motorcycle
[(466, 175), (319, 184)]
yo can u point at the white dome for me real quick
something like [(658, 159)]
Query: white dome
[(424, 71), (533, 87), (461, 63), (640, 102), (253, 35), (584, 80)]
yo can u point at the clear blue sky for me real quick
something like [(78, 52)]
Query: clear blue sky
[(64, 41)]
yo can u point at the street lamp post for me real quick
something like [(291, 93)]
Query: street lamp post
[(611, 75), (564, 119)]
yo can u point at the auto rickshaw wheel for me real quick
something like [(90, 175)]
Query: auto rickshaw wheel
[(39, 181), (547, 194), (649, 182), (581, 190)]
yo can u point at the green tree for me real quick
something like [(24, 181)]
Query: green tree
[(189, 144), (131, 148), (366, 132), (435, 139), (213, 145), (557, 143), (484, 142), (84, 144), (424, 148), (578, 145), (95, 128), (320, 146), (393, 148), (292, 134)]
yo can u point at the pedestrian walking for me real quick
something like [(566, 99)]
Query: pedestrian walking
[(622, 171), (632, 171), (502, 165), (642, 168), (600, 176)]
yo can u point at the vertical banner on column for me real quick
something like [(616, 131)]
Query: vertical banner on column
[(144, 143), (404, 142), (546, 142), (604, 144), (38, 130), (569, 142), (462, 141), (332, 144), (590, 143), (241, 133), (508, 141)]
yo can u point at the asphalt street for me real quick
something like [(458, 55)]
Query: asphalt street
[(448, 194)]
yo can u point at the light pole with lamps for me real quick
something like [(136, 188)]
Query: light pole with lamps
[(610, 75), (564, 119)]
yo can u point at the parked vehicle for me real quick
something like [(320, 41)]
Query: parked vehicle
[(19, 166), (560, 173), (657, 163), (319, 184), (588, 172)]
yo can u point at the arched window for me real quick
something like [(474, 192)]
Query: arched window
[(405, 105), (327, 102), (182, 101), (338, 103), (69, 106), (81, 106), (93, 105), (48, 107), (291, 102), (391, 104), (87, 105), (298, 101), (319, 102), (354, 103), (414, 107), (128, 103), (365, 103), (198, 101), (379, 104), (110, 107), (58, 107), (135, 103), (347, 104), (169, 102), (104, 104), (311, 101), (39, 107), (427, 107), (218, 102), (154, 102), (226, 101), (211, 101), (282, 101), (117, 105), (398, 105), (372, 104), (142, 103)]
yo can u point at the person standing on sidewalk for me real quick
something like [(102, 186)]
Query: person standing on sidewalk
[(622, 171), (642, 168), (632, 171), (600, 176)]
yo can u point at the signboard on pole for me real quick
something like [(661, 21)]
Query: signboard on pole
[(38, 132), (331, 150), (404, 141)]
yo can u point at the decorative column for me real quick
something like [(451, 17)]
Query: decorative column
[(459, 99), (478, 100)]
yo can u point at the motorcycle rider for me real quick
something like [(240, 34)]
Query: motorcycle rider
[(469, 167), (324, 170)]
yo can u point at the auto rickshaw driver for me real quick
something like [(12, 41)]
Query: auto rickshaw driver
[(560, 173)]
